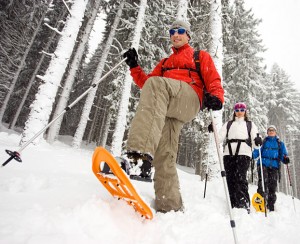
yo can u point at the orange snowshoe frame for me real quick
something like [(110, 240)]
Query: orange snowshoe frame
[(118, 184)]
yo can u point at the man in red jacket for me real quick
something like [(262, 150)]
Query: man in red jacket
[(171, 96)]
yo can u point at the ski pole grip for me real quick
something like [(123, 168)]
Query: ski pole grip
[(257, 136)]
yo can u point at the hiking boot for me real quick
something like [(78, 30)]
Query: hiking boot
[(141, 166), (124, 163), (271, 208)]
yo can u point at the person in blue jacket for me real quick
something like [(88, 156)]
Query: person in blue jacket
[(273, 151)]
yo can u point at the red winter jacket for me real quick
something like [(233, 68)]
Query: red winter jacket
[(179, 62)]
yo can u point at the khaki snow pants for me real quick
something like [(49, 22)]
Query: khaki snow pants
[(165, 105)]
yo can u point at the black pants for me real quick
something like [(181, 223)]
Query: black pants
[(270, 179), (236, 174)]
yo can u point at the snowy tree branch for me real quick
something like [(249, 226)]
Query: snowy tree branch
[(52, 28), (6, 55), (49, 54), (67, 7)]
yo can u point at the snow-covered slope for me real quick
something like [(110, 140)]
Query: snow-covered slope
[(53, 197)]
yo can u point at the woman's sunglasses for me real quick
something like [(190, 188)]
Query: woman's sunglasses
[(180, 31), (240, 110)]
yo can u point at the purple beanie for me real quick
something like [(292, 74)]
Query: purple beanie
[(240, 105)]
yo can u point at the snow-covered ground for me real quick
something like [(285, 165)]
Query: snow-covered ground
[(54, 197)]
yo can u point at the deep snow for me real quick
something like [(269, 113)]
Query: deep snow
[(54, 197)]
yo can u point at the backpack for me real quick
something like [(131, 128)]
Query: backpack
[(198, 70), (248, 141)]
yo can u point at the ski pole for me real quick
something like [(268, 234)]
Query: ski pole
[(288, 171), (252, 168), (206, 174), (205, 185), (262, 178), (223, 174), (16, 154)]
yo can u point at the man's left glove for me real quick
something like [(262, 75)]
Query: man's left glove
[(258, 141), (132, 58), (286, 160), (210, 128), (212, 102)]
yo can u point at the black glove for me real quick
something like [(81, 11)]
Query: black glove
[(258, 141), (210, 128), (132, 57), (212, 102), (286, 160)]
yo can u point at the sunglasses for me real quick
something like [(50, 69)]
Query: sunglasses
[(271, 130), (240, 110), (180, 31)]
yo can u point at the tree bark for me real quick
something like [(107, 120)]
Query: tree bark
[(42, 106), (118, 135), (32, 79), (90, 98), (20, 68), (64, 98), (216, 51)]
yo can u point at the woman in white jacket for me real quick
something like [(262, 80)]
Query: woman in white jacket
[(238, 137)]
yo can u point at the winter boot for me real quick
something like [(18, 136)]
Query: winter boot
[(141, 166), (271, 207), (122, 161)]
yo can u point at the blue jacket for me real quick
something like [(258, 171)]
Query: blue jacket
[(270, 152)]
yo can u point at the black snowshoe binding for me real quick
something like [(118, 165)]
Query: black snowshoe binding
[(140, 166), (123, 162)]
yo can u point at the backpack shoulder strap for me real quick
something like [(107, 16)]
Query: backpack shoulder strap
[(163, 66), (229, 123), (279, 147), (249, 127), (263, 143), (198, 68)]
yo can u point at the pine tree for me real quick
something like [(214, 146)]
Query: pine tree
[(42, 106), (123, 108), (243, 70), (90, 98), (71, 72), (282, 101)]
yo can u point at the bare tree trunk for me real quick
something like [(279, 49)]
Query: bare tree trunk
[(116, 146), (42, 106), (182, 9), (90, 98), (20, 68), (216, 51), (102, 126), (64, 98), (294, 171), (32, 79), (106, 129), (95, 118)]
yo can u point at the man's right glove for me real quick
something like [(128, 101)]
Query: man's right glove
[(212, 102), (210, 128), (286, 160), (132, 57), (258, 141)]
